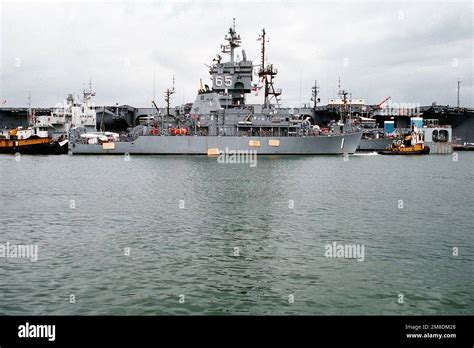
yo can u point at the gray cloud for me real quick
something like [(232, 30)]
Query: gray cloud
[(413, 51)]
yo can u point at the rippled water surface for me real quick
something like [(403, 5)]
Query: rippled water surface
[(183, 218)]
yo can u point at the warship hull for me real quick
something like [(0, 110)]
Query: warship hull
[(374, 144), (202, 145)]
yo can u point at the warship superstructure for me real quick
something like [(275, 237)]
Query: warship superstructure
[(75, 113), (220, 119)]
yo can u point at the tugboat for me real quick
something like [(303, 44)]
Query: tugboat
[(412, 144), (36, 139)]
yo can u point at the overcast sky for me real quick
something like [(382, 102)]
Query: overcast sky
[(411, 51)]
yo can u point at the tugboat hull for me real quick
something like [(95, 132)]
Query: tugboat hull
[(37, 149), (425, 151)]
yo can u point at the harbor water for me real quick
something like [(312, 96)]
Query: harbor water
[(181, 235)]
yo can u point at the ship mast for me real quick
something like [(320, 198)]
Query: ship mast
[(262, 38), (168, 93), (87, 95), (315, 93), (30, 115), (344, 109), (262, 69), (267, 74), (234, 41), (459, 87), (344, 112)]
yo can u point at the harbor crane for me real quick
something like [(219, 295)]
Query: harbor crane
[(379, 106)]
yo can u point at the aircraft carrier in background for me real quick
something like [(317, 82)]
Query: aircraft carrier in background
[(119, 118)]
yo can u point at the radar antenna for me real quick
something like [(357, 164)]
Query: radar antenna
[(234, 41)]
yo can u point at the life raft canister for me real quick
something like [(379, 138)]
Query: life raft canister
[(179, 131), (153, 131)]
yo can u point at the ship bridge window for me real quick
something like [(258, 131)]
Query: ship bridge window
[(441, 136)]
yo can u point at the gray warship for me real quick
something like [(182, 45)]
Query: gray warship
[(220, 120)]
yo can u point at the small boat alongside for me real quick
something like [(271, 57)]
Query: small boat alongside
[(99, 137), (412, 144), (463, 147), (36, 139)]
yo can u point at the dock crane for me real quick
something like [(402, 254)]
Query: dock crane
[(379, 106)]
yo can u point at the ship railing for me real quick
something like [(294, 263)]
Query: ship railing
[(430, 123)]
